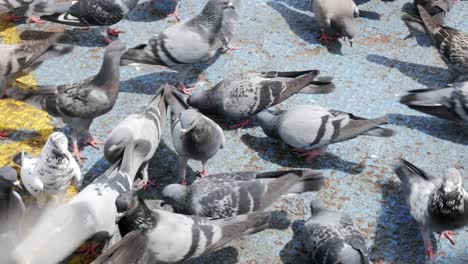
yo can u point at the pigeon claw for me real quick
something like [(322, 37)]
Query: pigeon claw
[(242, 124), (203, 173), (76, 153), (34, 20), (146, 183), (183, 89), (93, 142), (430, 252), (114, 32), (310, 155), (184, 182), (175, 14), (450, 235), (325, 38)]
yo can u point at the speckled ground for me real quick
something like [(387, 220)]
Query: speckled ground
[(370, 77)]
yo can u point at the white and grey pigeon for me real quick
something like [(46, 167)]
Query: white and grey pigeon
[(310, 129), (450, 102), (243, 96), (18, 60), (438, 204), (332, 237), (229, 194), (79, 103), (451, 44), (52, 172), (88, 13), (181, 46), (336, 18), (137, 137), (157, 236), (195, 136)]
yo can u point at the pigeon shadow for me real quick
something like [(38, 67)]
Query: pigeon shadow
[(423, 74), (281, 154), (371, 15), (397, 237), (294, 252), (433, 126), (304, 26), (150, 11), (227, 255)]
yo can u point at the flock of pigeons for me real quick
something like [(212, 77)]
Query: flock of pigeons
[(215, 209)]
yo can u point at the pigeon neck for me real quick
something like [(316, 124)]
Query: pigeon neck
[(268, 123), (110, 71), (141, 218), (204, 101), (447, 206), (211, 17)]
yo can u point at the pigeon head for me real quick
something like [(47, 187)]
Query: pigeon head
[(268, 121), (126, 203), (189, 120), (452, 180), (177, 196), (9, 177), (316, 206), (58, 141)]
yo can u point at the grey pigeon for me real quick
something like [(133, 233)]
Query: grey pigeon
[(12, 209), (336, 17), (244, 96), (438, 204), (78, 104), (52, 172), (229, 194), (449, 102), (137, 137), (332, 237), (14, 5), (185, 44), (194, 135), (86, 13), (309, 129), (18, 60), (157, 236), (10, 5), (451, 43)]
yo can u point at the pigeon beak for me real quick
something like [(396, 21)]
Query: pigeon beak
[(183, 131), (18, 184), (350, 42)]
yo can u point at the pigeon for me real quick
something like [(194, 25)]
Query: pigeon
[(438, 204), (244, 96), (139, 133), (12, 209), (86, 13), (450, 102), (194, 135), (157, 236), (52, 172), (451, 43), (332, 237), (185, 44), (13, 5), (438, 9), (18, 60), (336, 17), (309, 129), (78, 104), (229, 194)]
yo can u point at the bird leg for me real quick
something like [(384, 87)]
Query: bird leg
[(183, 89), (114, 31), (76, 153), (146, 181), (310, 155), (176, 13), (204, 172), (427, 243), (449, 235), (324, 37), (242, 124), (93, 142), (34, 20)]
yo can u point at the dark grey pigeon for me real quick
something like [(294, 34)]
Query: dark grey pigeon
[(157, 236), (243, 96), (194, 135), (18, 60), (310, 129), (86, 13), (137, 137), (451, 44), (185, 44), (229, 194), (449, 102), (438, 204), (332, 237), (79, 103)]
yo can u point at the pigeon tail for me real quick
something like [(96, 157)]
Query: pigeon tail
[(138, 55), (308, 182)]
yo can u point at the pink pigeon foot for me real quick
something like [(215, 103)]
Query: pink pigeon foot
[(325, 38), (148, 182), (114, 32), (108, 40), (449, 235), (76, 153), (203, 173), (242, 124), (34, 20), (175, 14), (430, 252), (310, 155), (184, 182), (93, 142), (4, 136), (183, 89)]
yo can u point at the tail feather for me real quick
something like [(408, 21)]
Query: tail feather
[(404, 170), (430, 24), (320, 85), (310, 181), (49, 7), (139, 55), (175, 101)]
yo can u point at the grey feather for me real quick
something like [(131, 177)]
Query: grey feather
[(226, 195), (194, 135), (172, 238), (332, 237), (449, 102), (311, 127), (246, 95), (436, 203), (10, 5)]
